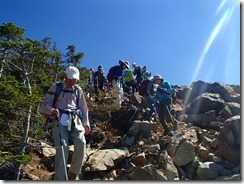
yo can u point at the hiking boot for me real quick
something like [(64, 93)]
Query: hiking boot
[(72, 176)]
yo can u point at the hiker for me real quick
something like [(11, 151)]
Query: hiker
[(99, 80), (68, 114), (145, 74), (115, 79), (129, 79), (149, 94), (91, 77), (138, 74), (164, 96)]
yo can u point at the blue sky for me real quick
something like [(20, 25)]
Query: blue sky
[(182, 40)]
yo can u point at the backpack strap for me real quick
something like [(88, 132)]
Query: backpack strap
[(77, 94), (57, 92), (59, 89)]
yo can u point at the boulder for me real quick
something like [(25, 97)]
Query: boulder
[(234, 107), (205, 103), (229, 140), (140, 173), (211, 171), (141, 128), (184, 154), (202, 120), (232, 130), (226, 92), (103, 160), (167, 166), (197, 88)]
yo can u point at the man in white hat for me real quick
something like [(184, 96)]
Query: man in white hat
[(68, 113)]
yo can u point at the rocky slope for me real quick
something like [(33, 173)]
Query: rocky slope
[(123, 146)]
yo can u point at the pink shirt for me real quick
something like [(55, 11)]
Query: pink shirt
[(65, 101)]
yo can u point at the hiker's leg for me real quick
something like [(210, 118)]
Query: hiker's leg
[(78, 138), (118, 92), (101, 87), (57, 130), (160, 111), (150, 105), (167, 115), (134, 86), (96, 89)]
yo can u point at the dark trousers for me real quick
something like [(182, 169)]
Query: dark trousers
[(98, 87), (163, 113)]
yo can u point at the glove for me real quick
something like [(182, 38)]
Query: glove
[(160, 89)]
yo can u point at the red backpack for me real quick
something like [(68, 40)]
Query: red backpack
[(143, 88)]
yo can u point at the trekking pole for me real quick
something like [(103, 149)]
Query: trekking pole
[(133, 114), (171, 117), (62, 144)]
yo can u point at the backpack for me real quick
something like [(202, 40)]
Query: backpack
[(143, 88), (113, 72), (59, 90), (128, 75)]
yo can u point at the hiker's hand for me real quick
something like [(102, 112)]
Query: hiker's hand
[(87, 129), (177, 100), (55, 112), (160, 89)]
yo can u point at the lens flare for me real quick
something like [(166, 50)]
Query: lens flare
[(219, 26)]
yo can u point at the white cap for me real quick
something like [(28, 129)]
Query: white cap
[(72, 73)]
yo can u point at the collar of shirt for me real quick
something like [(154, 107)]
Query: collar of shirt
[(65, 86)]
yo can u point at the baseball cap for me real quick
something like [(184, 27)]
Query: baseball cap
[(72, 73)]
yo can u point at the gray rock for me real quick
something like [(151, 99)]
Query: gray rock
[(234, 107), (211, 171), (205, 103), (140, 173), (103, 160), (167, 166), (157, 174), (202, 120), (232, 130), (141, 128), (234, 177), (184, 154), (226, 112), (197, 88)]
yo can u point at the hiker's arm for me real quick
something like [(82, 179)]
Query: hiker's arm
[(46, 104), (83, 107)]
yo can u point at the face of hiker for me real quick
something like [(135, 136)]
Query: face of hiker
[(70, 82), (157, 81)]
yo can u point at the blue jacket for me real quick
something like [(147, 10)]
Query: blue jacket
[(166, 93)]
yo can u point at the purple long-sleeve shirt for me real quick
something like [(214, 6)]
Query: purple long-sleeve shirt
[(65, 101)]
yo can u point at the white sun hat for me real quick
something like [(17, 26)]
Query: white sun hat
[(72, 73)]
